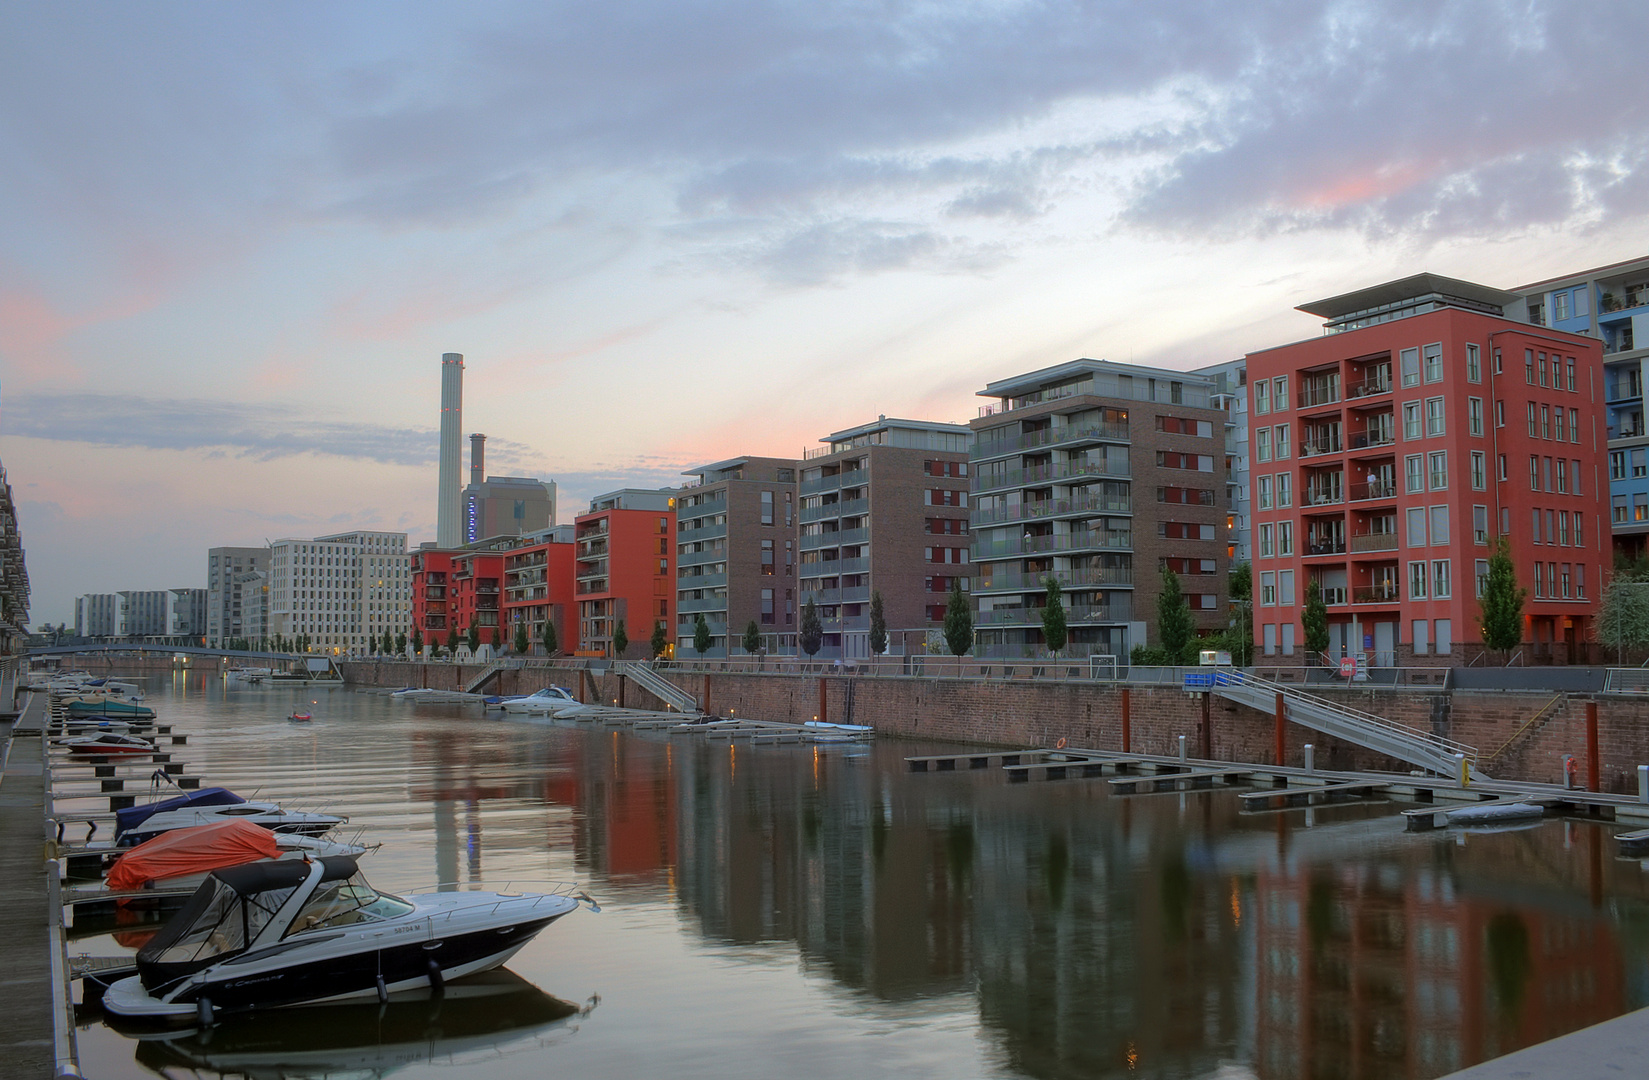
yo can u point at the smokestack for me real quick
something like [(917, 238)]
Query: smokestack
[(449, 529), (478, 457)]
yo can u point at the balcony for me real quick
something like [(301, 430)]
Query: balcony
[(590, 570), (1014, 581), (708, 603), (1050, 436), (1370, 387), (1370, 440), (842, 508), (1310, 397), (598, 585), (1374, 542), (1040, 509), (823, 483), (701, 581), (1043, 474), (1333, 595), (1371, 492), (835, 539), (1322, 498), (1383, 593), (1319, 447), (1324, 546), (833, 567), (706, 532), (1032, 615), (1078, 541)]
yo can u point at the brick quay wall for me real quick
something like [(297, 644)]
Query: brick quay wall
[(1026, 712)]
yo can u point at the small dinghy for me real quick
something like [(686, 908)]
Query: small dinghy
[(301, 717)]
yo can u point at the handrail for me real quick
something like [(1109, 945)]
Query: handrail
[(1530, 722), (1290, 693)]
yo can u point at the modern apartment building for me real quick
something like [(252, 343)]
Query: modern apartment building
[(625, 567), (1610, 303), (225, 570), (538, 585), (186, 615), (1389, 453), (1098, 475), (94, 615), (340, 590), (1230, 394), (254, 607), (456, 590), (142, 613), (884, 509), (736, 555), (14, 574)]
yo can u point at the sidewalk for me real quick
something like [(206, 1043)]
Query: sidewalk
[(26, 1039)]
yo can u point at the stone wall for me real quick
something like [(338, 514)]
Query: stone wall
[(1016, 712)]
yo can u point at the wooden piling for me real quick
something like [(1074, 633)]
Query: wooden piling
[(823, 701), (1282, 742), (1592, 772), (1127, 727)]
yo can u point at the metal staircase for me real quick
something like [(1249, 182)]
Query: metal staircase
[(1428, 751), (486, 676), (660, 687)]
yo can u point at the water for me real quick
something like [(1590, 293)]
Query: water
[(791, 911)]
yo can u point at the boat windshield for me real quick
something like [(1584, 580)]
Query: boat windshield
[(224, 925), (342, 903)]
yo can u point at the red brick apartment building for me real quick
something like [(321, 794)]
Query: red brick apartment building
[(625, 568), (538, 585), (1387, 455), (458, 589)]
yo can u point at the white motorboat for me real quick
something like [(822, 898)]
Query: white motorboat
[(552, 700), (95, 725), (268, 815), (106, 742), (285, 933)]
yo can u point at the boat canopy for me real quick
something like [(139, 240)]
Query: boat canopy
[(193, 851), (133, 816), (226, 915)]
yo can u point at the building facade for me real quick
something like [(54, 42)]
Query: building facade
[(186, 615), (538, 586), (503, 505), (254, 607), (340, 592), (884, 509), (1098, 475), (94, 615), (1390, 453), (14, 574), (1610, 303), (736, 555), (225, 570), (625, 568)]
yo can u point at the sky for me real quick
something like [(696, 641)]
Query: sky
[(236, 238)]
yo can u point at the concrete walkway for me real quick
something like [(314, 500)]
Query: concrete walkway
[(26, 1038), (1608, 1051)]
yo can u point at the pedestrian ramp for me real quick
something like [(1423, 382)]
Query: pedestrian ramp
[(660, 687), (1422, 748)]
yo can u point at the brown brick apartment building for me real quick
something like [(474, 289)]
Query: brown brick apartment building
[(884, 509), (1097, 474), (736, 555)]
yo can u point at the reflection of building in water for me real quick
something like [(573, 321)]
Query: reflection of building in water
[(1384, 971)]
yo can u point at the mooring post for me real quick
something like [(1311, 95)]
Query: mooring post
[(707, 694), (1282, 744), (1310, 757), (1207, 728), (1127, 729), (1182, 747), (823, 701), (1462, 771), (1643, 783), (1592, 776)]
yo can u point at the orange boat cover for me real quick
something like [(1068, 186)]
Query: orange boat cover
[(192, 851)]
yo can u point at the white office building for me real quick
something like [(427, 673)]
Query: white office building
[(342, 592)]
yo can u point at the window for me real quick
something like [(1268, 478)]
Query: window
[(1262, 441), (1540, 580), (1580, 541), (1528, 366), (1502, 474), (767, 558), (1439, 469), (1268, 635), (1480, 525), (1499, 414), (1411, 420), (1285, 588), (1414, 473), (1581, 307), (1416, 516), (1288, 639), (1285, 538), (1262, 397), (1480, 479), (1434, 416), (1562, 477), (1640, 507), (1617, 464), (1279, 393), (1540, 366), (1534, 423), (1505, 520), (1499, 363), (1474, 364), (1569, 365), (1417, 580), (1445, 636), (1546, 422), (1440, 585), (1560, 305), (767, 606), (1575, 485), (1421, 634), (1639, 466), (1263, 489), (1482, 577), (1618, 509), (1268, 588), (1574, 426), (1265, 542), (1562, 529), (1474, 415), (1409, 360), (1440, 526), (767, 508), (1580, 581), (1434, 363), (1547, 475), (1534, 472), (1285, 490)]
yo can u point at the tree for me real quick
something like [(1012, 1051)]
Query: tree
[(551, 645), (521, 642), (621, 640), (1624, 619), (1053, 619), (661, 640), (1501, 622), (811, 636), (1314, 620), (390, 648), (472, 637), (878, 625), (400, 641), (958, 620), (497, 641), (752, 638), (418, 640), (701, 634), (452, 639), (1239, 632), (1174, 626)]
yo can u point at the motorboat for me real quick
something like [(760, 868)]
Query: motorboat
[(107, 742), (133, 816), (103, 705), (292, 932), (483, 1015), (95, 725), (553, 700), (181, 858), (301, 716), (267, 815)]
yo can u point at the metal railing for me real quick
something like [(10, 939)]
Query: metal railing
[(1050, 436), (1374, 542), (1369, 440), (1319, 447), (1385, 593), (1311, 396), (1378, 490), (1050, 508), (1063, 470), (1069, 579), (1370, 387)]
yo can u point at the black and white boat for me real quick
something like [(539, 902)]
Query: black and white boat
[(269, 815), (271, 934)]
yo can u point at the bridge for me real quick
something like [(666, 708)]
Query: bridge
[(169, 650)]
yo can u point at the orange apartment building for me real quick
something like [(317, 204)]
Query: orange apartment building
[(538, 585), (454, 590), (625, 568)]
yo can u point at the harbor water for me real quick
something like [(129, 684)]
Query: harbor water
[(802, 911)]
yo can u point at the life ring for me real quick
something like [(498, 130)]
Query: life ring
[(1060, 745)]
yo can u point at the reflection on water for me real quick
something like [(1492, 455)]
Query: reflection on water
[(782, 903)]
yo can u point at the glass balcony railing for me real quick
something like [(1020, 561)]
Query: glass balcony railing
[(1312, 396), (1326, 545), (1040, 474), (1050, 436), (1051, 508), (1378, 490), (1318, 447), (1368, 440)]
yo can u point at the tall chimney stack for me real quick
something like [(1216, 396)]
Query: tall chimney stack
[(478, 457), (449, 520)]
